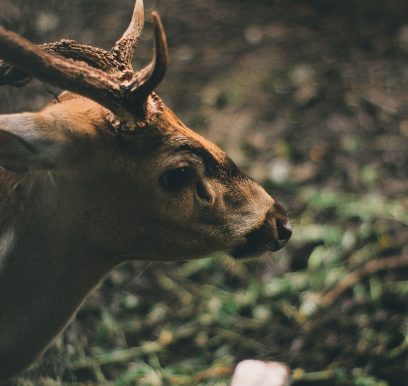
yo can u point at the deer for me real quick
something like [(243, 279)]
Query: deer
[(104, 174)]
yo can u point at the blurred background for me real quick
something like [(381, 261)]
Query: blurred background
[(311, 99)]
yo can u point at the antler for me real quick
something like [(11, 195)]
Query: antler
[(105, 77), (118, 59), (70, 49), (151, 76)]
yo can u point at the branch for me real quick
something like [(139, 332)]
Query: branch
[(367, 269)]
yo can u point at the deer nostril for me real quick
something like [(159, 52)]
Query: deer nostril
[(283, 229)]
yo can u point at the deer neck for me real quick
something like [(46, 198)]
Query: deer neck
[(45, 273)]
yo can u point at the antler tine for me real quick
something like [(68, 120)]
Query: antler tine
[(75, 76), (150, 77), (125, 47)]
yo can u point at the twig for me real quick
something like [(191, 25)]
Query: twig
[(299, 375), (212, 373), (367, 269), (109, 358)]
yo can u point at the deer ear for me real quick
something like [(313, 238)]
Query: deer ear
[(26, 149)]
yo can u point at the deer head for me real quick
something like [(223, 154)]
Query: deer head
[(104, 174)]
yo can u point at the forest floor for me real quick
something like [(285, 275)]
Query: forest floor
[(311, 99)]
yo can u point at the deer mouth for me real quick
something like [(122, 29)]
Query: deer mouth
[(272, 235)]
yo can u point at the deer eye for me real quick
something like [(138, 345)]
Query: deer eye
[(176, 178)]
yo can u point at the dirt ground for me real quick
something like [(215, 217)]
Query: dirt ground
[(311, 99)]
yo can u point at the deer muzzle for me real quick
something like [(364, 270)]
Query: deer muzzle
[(271, 235)]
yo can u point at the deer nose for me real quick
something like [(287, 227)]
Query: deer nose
[(276, 228), (283, 230), (272, 235)]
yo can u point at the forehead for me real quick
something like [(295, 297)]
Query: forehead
[(178, 135), (179, 138)]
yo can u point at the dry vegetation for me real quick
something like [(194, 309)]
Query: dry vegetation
[(311, 98)]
